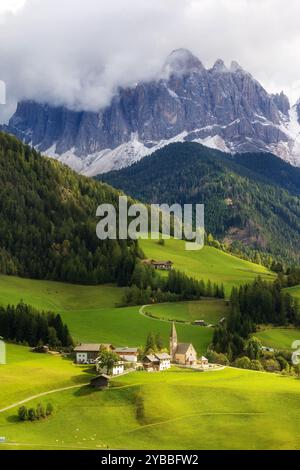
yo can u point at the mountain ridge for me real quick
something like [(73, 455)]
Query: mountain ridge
[(220, 107), (250, 207)]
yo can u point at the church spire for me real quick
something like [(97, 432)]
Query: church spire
[(173, 341)]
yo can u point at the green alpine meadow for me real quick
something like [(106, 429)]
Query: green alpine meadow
[(149, 232)]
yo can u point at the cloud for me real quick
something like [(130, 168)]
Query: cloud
[(11, 5), (77, 52)]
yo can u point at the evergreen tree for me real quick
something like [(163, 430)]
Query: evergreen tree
[(23, 413), (49, 409), (150, 346), (32, 414)]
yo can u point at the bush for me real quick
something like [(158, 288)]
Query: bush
[(284, 365), (243, 363), (271, 365), (217, 358), (256, 365)]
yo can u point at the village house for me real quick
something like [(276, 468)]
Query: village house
[(88, 353), (116, 370), (157, 362), (163, 265), (181, 353), (127, 354)]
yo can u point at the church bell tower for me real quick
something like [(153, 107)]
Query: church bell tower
[(173, 341)]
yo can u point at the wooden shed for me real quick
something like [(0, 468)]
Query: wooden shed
[(100, 382)]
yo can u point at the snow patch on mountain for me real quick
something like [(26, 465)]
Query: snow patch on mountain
[(289, 150), (126, 154), (222, 108)]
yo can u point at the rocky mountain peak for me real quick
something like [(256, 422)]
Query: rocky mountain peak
[(282, 102), (235, 67), (181, 62), (219, 67), (224, 108)]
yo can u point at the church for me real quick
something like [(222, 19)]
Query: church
[(181, 353)]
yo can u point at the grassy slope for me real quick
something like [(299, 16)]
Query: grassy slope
[(209, 310), (279, 338), (294, 291), (126, 327), (27, 374), (91, 314), (208, 263), (229, 409), (57, 296)]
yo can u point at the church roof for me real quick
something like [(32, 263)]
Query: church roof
[(182, 348)]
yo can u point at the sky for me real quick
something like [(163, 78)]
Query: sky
[(77, 52)]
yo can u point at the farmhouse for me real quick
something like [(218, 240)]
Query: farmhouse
[(127, 354), (102, 381), (200, 323), (181, 353), (88, 353), (116, 370), (157, 362), (164, 265)]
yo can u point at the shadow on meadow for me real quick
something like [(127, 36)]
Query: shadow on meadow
[(13, 419)]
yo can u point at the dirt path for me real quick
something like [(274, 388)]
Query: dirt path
[(56, 390), (43, 394), (141, 312)]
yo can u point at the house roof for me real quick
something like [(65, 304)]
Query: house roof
[(102, 376), (182, 348), (92, 347), (126, 350), (161, 262), (151, 358), (163, 356), (203, 358), (157, 357)]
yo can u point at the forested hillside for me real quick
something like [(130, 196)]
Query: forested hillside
[(48, 221), (247, 204), (271, 169)]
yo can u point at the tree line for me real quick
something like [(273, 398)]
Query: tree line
[(35, 414), (260, 302), (25, 324), (146, 286)]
